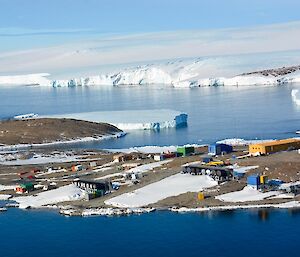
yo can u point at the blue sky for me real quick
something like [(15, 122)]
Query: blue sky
[(99, 32), (131, 16)]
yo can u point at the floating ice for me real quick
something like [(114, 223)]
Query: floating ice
[(295, 96), (133, 119)]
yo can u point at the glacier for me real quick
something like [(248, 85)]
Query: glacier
[(179, 73), (132, 119), (27, 79)]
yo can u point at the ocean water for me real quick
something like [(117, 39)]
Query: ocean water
[(215, 113), (227, 234)]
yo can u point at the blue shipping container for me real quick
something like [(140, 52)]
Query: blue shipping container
[(217, 149), (238, 174), (253, 180), (207, 159)]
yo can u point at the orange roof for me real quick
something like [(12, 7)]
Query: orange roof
[(278, 142)]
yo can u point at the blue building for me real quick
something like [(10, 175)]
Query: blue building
[(253, 181), (217, 149)]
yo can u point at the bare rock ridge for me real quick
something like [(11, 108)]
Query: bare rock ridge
[(274, 72), (36, 131)]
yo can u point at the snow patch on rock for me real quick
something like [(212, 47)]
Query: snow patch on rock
[(170, 186), (62, 194)]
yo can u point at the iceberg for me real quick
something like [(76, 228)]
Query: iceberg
[(132, 119), (295, 97)]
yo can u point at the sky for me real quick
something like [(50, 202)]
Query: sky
[(98, 32)]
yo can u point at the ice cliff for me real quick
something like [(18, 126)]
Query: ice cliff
[(178, 73)]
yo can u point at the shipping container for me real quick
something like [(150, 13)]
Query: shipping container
[(253, 181), (200, 196), (238, 175), (263, 179)]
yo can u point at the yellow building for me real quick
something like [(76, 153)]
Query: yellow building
[(274, 146)]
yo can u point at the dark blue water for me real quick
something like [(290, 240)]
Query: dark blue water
[(214, 113), (227, 234)]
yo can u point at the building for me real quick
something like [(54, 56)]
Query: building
[(77, 167), (164, 156), (185, 150), (217, 149), (93, 164), (275, 146), (122, 157), (94, 188), (217, 173), (24, 188)]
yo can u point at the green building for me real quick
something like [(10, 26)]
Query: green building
[(185, 150)]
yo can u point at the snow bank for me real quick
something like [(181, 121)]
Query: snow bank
[(4, 197), (112, 211), (139, 169), (246, 195), (132, 119), (170, 186), (62, 194), (28, 79), (295, 96), (147, 167), (244, 169), (240, 141), (40, 159), (287, 205)]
